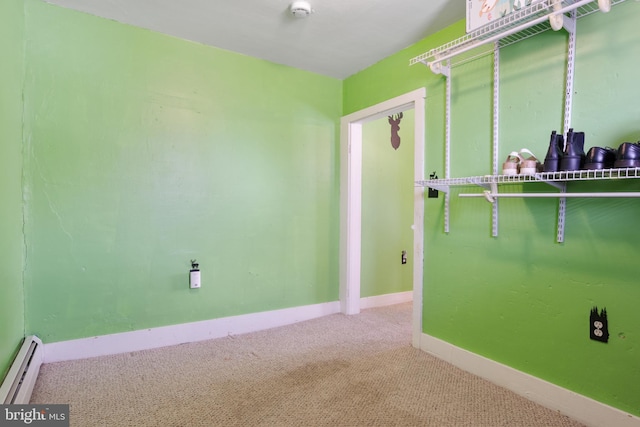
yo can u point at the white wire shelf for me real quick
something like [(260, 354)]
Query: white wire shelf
[(532, 20), (512, 28), (545, 177)]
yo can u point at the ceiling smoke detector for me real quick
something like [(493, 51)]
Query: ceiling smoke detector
[(300, 9)]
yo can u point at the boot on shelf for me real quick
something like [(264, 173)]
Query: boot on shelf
[(573, 156), (554, 154)]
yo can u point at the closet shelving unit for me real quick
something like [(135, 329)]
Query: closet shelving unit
[(541, 16)]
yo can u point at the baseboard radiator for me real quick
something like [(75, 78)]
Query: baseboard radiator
[(21, 378)]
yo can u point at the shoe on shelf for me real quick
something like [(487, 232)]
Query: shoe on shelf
[(600, 158), (628, 155), (529, 165), (573, 156), (512, 164), (554, 154)]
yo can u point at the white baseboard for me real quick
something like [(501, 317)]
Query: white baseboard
[(581, 408), (183, 333), (387, 299)]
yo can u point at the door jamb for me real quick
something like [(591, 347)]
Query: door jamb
[(351, 201)]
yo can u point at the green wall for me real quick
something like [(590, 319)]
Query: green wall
[(141, 152), (387, 207), (145, 151), (521, 298), (11, 242)]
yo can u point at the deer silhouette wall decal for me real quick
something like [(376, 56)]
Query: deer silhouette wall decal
[(394, 121)]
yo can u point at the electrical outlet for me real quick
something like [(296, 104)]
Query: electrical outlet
[(599, 325), (194, 275), (194, 279)]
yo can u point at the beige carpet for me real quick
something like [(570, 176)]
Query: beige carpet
[(334, 371)]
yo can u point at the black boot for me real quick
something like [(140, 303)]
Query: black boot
[(554, 154), (573, 158)]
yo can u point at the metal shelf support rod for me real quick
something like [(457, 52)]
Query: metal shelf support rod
[(447, 155), (496, 133), (553, 195)]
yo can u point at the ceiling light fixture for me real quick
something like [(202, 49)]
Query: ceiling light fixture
[(301, 9)]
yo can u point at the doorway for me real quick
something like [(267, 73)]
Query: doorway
[(351, 201), (386, 259)]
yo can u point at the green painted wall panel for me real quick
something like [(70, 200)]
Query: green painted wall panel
[(521, 298), (144, 152), (11, 241), (382, 80), (387, 207)]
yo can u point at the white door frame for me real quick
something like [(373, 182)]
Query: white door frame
[(351, 201)]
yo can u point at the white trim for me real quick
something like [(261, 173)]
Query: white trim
[(418, 216), (351, 200), (183, 333), (386, 299), (352, 203), (581, 408)]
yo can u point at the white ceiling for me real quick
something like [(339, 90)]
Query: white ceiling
[(340, 38)]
